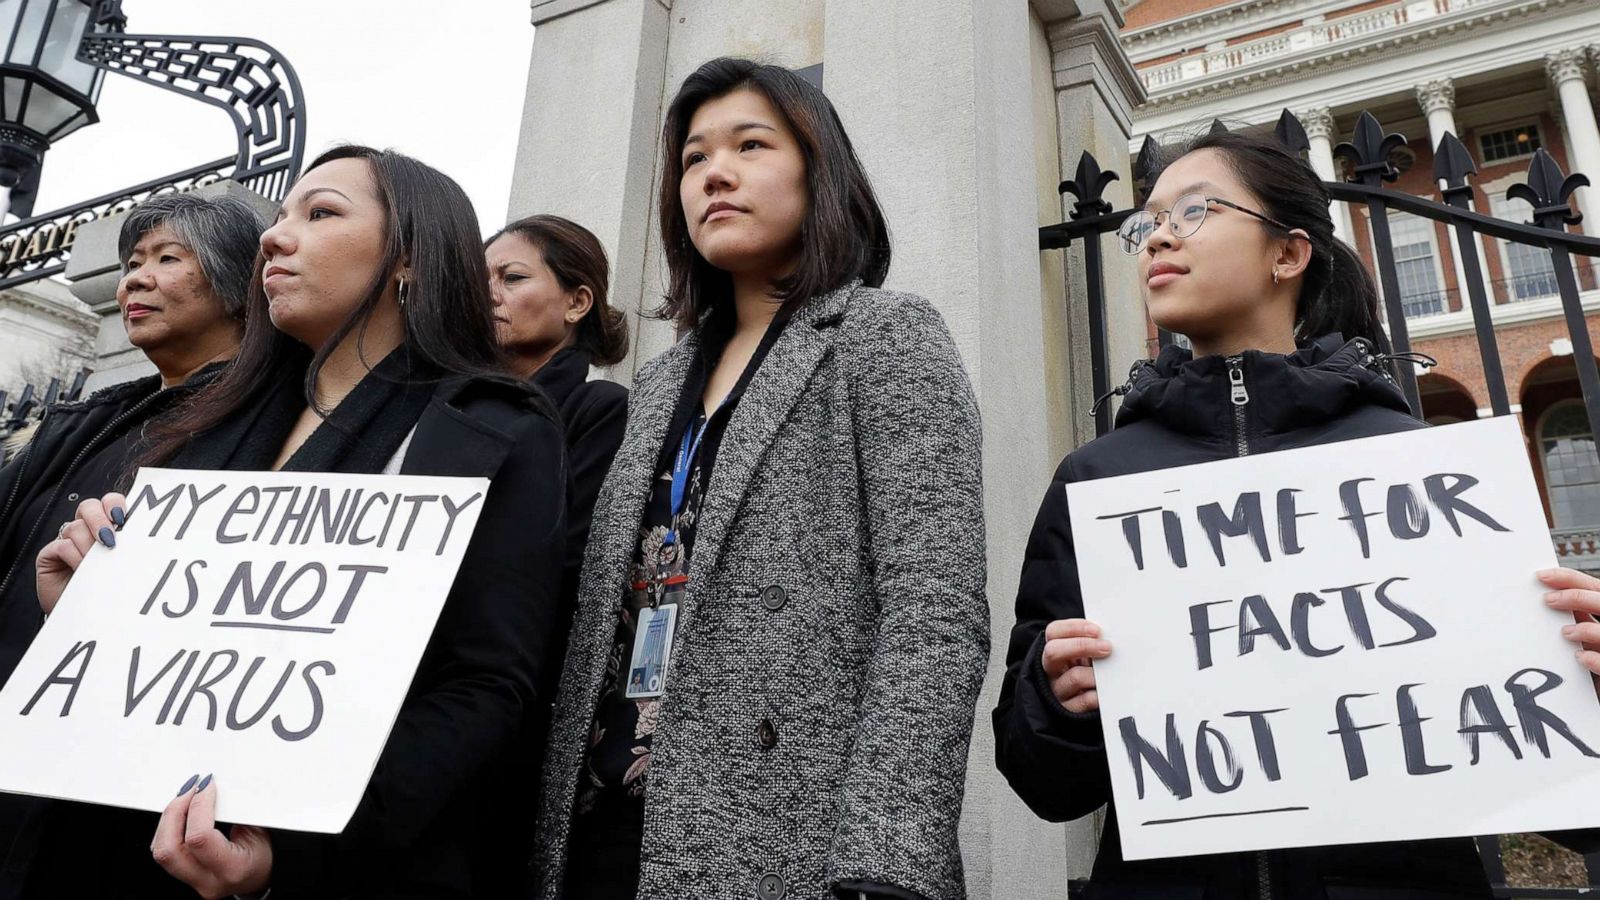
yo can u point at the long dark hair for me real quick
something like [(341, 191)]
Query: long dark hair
[(449, 319), (575, 257), (844, 235), (1337, 293)]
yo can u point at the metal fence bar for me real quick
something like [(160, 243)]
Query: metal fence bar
[(1452, 164), (1393, 302)]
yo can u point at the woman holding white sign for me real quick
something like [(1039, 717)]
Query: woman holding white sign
[(1236, 250), (370, 348)]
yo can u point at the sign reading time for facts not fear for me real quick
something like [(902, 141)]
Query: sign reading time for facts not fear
[(1338, 644)]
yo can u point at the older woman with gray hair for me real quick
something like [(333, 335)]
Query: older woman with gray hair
[(186, 267)]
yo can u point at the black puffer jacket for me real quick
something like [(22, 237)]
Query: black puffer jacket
[(1180, 411)]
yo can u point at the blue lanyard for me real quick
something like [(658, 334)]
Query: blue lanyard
[(687, 450)]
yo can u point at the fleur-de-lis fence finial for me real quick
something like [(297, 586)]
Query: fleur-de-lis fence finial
[(1291, 134), (1369, 153), (1549, 192), (1452, 164), (1088, 186)]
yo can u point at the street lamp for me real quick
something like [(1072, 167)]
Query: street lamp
[(46, 92)]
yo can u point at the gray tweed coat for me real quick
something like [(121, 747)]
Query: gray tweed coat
[(849, 478)]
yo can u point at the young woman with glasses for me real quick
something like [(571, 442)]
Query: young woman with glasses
[(1236, 251)]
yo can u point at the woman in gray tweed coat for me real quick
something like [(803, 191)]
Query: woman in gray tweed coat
[(781, 626)]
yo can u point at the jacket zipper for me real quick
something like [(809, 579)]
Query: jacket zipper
[(71, 468), (1240, 399), (1239, 396)]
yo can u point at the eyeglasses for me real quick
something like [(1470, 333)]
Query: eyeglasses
[(1185, 216)]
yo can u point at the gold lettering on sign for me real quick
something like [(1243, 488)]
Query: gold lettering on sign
[(36, 245)]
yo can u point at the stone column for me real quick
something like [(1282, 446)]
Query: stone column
[(1438, 102), (940, 106), (590, 131), (1096, 89), (1320, 129), (1568, 70)]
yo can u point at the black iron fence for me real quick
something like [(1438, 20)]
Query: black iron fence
[(1547, 189), (30, 403)]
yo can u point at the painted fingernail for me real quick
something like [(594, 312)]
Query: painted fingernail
[(107, 536), (188, 784), (202, 785), (1568, 630), (118, 516)]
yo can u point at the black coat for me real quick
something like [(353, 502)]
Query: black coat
[(57, 468), (1178, 412), (432, 820), (594, 414)]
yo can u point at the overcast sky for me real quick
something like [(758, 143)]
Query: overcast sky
[(443, 82)]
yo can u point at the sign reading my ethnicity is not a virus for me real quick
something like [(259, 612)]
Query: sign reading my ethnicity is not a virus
[(1332, 645), (260, 626)]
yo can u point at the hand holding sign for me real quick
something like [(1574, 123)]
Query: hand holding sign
[(96, 521), (191, 848), (1579, 594), (1070, 647)]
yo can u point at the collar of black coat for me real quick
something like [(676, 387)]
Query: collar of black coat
[(143, 387), (1324, 379), (559, 377)]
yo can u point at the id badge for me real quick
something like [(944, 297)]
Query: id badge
[(652, 652)]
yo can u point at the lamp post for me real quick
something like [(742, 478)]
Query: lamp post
[(46, 91)]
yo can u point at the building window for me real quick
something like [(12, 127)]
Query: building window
[(1528, 272), (1416, 263), (1571, 466), (1509, 143)]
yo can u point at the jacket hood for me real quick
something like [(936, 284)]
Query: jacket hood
[(1327, 378)]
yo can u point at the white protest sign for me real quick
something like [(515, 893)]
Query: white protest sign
[(260, 626), (1339, 644)]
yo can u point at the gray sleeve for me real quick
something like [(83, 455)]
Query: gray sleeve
[(919, 442)]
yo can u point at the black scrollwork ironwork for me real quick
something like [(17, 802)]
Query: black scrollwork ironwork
[(248, 79)]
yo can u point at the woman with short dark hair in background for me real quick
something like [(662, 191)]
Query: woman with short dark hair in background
[(370, 348), (548, 277), (781, 627), (186, 262)]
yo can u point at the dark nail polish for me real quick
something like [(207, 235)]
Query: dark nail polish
[(202, 785), (188, 784), (118, 516), (107, 536)]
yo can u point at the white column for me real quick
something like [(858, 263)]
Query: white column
[(589, 136), (1568, 71), (967, 239), (1438, 102), (1321, 130)]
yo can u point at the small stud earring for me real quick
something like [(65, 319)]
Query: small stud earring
[(1274, 274)]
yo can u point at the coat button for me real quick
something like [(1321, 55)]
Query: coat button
[(774, 597), (771, 887), (767, 737)]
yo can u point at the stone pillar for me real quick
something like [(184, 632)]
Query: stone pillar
[(1096, 89), (589, 140), (94, 270), (1568, 70), (1321, 130), (1438, 102), (940, 106)]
